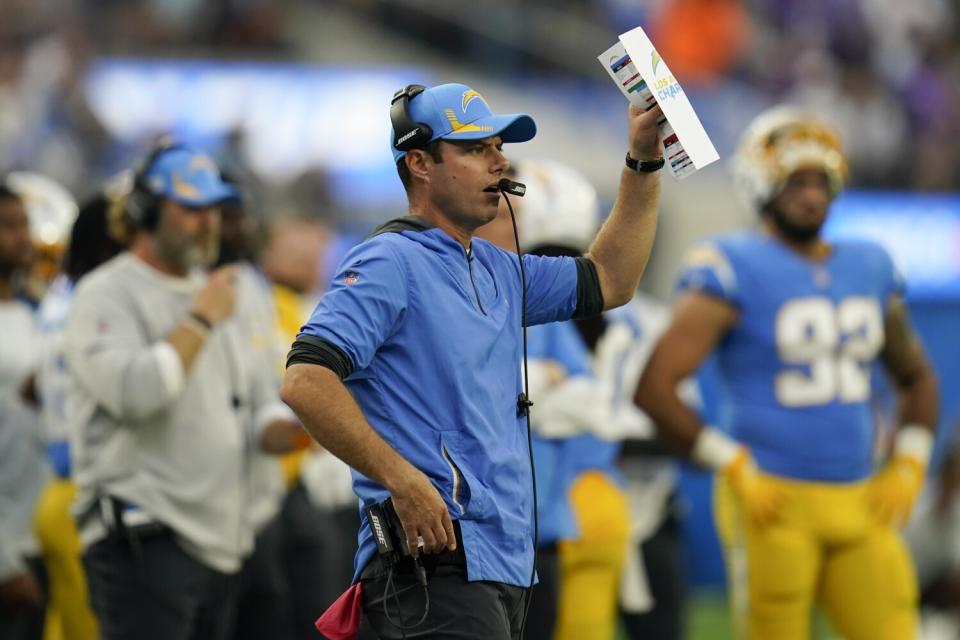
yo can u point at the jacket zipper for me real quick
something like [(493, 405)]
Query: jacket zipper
[(469, 254), (456, 479)]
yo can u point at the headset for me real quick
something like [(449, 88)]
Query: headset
[(408, 134), (143, 204)]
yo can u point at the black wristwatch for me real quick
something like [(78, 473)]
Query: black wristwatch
[(646, 166)]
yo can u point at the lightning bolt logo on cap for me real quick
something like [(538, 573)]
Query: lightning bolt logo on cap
[(469, 96)]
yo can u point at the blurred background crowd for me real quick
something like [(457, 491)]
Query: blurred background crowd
[(881, 70), (291, 99)]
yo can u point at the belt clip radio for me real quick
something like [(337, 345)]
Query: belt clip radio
[(390, 538)]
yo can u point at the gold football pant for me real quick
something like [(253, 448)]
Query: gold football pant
[(69, 615), (826, 547), (590, 566)]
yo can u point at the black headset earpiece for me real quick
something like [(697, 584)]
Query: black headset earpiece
[(408, 134), (143, 204)]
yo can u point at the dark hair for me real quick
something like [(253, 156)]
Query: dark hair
[(91, 243), (433, 148)]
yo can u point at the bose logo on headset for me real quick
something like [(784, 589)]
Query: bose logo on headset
[(408, 134)]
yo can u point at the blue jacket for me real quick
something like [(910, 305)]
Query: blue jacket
[(433, 336)]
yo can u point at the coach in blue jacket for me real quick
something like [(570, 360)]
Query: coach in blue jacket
[(409, 368)]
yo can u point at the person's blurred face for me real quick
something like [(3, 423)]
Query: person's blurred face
[(464, 186), (800, 209), (188, 237), (237, 234), (16, 249), (294, 251)]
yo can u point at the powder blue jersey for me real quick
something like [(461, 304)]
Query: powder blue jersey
[(797, 364)]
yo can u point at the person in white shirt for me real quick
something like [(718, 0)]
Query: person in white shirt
[(166, 402), (23, 469)]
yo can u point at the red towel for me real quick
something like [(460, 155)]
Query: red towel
[(341, 620)]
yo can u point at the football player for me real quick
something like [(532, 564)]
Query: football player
[(797, 324)]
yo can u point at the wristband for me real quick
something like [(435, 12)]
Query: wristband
[(196, 326), (203, 321), (714, 449), (644, 166), (914, 441)]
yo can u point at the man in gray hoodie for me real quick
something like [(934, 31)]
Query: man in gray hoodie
[(167, 401)]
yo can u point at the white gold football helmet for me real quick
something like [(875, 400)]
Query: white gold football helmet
[(779, 142), (49, 206), (560, 208), (51, 211)]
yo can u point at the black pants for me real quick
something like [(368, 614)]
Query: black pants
[(263, 604), (663, 560), (26, 623), (148, 588), (459, 609), (545, 598), (318, 546)]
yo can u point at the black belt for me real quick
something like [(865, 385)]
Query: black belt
[(111, 512)]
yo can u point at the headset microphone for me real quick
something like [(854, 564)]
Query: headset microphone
[(513, 188)]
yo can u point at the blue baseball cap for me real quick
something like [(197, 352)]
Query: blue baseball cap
[(457, 112), (189, 177)]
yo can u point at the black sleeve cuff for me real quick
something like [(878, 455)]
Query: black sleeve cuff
[(314, 350), (589, 294)]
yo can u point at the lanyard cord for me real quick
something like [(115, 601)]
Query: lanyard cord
[(523, 410)]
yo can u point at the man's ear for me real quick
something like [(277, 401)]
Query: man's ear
[(419, 163)]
